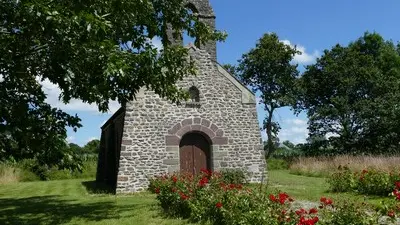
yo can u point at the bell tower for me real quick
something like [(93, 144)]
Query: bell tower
[(205, 14)]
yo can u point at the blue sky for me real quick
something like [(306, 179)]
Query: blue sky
[(311, 25)]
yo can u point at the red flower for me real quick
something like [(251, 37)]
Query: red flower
[(174, 179), (310, 221), (218, 205), (397, 183), (203, 182), (232, 186), (391, 213), (157, 191), (283, 197), (301, 212), (206, 172), (313, 211), (326, 201), (183, 196), (272, 198)]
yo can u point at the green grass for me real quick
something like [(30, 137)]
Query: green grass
[(69, 202), (73, 201), (310, 188)]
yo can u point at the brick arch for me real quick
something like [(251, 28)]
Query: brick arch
[(214, 133)]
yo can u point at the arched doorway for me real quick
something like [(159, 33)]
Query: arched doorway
[(194, 153)]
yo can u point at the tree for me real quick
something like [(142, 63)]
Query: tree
[(267, 69), (96, 51), (92, 147), (351, 95)]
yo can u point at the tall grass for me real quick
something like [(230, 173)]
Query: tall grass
[(16, 172), (324, 166), (9, 174)]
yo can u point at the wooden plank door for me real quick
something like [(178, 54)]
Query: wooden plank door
[(194, 154)]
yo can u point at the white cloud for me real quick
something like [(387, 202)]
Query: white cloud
[(70, 139), (304, 58), (91, 139), (297, 122), (53, 92), (294, 130)]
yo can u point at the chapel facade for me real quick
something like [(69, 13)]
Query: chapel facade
[(216, 129)]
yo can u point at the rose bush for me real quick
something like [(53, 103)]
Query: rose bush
[(208, 198), (370, 182)]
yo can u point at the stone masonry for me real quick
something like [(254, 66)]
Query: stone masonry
[(226, 115)]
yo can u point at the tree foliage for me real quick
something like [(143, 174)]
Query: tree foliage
[(267, 68), (92, 147), (96, 51), (352, 94)]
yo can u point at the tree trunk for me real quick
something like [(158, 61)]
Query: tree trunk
[(270, 143)]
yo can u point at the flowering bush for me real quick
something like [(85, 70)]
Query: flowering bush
[(372, 182), (341, 181), (207, 198)]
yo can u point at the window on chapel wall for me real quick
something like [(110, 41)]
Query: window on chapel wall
[(194, 94)]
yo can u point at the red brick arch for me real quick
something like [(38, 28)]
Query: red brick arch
[(212, 131)]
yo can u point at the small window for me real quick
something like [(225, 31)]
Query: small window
[(194, 94)]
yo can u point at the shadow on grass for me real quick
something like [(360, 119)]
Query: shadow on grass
[(93, 187), (55, 210)]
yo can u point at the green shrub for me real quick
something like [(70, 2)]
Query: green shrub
[(370, 182), (348, 213), (341, 181), (28, 176), (234, 176), (89, 169), (208, 199), (11, 172), (374, 182), (277, 164)]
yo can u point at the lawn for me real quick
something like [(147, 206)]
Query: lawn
[(71, 202)]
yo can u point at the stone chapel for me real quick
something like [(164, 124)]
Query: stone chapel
[(217, 129)]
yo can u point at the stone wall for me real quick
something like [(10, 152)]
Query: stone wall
[(226, 114)]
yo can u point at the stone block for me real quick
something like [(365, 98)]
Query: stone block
[(172, 140), (123, 178), (220, 140), (126, 142), (214, 127), (187, 122), (205, 122), (208, 132), (175, 129), (171, 162), (184, 130)]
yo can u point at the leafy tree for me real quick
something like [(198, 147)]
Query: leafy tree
[(74, 147), (351, 94), (92, 147), (289, 144), (268, 70), (96, 51), (230, 68)]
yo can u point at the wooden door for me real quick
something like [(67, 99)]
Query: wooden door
[(194, 153)]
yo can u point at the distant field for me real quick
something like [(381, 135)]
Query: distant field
[(70, 202)]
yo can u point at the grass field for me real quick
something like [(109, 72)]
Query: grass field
[(71, 202)]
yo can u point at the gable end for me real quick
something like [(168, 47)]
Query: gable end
[(247, 96)]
